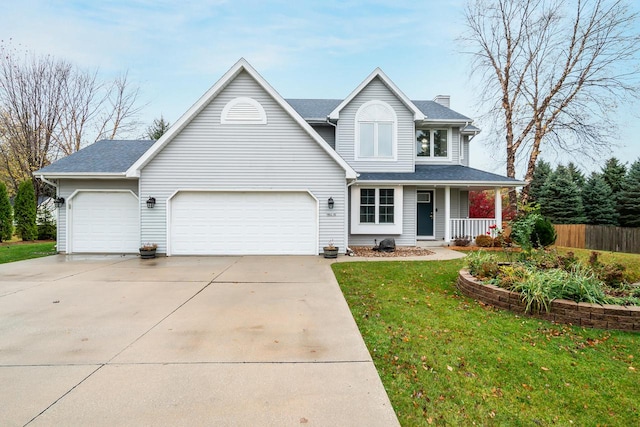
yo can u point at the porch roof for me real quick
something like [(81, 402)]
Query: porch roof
[(442, 175)]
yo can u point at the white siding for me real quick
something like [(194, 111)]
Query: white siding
[(465, 160), (278, 155), (464, 204), (66, 187), (408, 236), (345, 132)]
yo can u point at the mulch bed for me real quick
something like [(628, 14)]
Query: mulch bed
[(404, 251)]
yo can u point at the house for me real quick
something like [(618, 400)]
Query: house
[(245, 171)]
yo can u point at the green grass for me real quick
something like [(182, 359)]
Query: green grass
[(446, 359), (21, 251)]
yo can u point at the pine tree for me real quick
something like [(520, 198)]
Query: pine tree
[(560, 199), (598, 201), (157, 128), (576, 175), (25, 211), (613, 174), (540, 175), (629, 198), (6, 219)]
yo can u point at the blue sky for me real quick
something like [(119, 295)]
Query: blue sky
[(306, 49)]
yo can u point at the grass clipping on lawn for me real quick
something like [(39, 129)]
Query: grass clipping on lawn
[(447, 359)]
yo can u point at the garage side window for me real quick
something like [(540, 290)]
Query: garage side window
[(243, 110)]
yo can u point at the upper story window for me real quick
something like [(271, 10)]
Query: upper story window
[(375, 132), (243, 110), (433, 143)]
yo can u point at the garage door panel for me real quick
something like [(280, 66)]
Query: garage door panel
[(104, 222), (220, 223)]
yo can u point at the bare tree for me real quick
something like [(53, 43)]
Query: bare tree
[(553, 72), (50, 108), (31, 93)]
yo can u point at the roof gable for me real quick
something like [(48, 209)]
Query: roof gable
[(241, 65), (378, 73)]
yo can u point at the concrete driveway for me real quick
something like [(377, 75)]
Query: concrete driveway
[(107, 340)]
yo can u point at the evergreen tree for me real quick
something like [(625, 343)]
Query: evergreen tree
[(629, 198), (157, 129), (576, 175), (540, 175), (613, 174), (598, 201), (6, 219), (25, 211), (560, 199)]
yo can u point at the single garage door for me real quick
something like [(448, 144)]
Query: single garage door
[(104, 222), (243, 223)]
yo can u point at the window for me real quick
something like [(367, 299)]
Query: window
[(432, 143), (368, 205), (376, 210), (386, 206), (375, 131)]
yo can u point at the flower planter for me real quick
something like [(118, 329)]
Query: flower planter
[(147, 253), (331, 252)]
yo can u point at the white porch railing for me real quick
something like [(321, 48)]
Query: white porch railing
[(470, 227)]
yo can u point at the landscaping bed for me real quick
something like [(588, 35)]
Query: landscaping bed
[(400, 251)]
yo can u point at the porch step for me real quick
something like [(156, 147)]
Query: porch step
[(430, 243)]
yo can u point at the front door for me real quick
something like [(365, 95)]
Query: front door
[(425, 213)]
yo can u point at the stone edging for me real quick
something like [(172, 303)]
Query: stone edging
[(561, 311)]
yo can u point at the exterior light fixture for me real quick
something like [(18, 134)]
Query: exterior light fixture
[(58, 202), (331, 202), (151, 202)]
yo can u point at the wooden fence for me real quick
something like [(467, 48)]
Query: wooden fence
[(599, 237)]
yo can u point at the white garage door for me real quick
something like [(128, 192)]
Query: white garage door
[(104, 222), (243, 223)]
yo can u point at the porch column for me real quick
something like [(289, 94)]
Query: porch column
[(498, 207), (447, 214)]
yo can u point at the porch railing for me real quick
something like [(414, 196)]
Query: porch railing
[(470, 226)]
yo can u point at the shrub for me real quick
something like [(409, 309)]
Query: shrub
[(479, 261), (46, 224), (6, 219), (25, 211), (462, 241), (610, 274), (484, 241), (543, 234)]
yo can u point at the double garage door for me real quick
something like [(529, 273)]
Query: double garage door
[(243, 223)]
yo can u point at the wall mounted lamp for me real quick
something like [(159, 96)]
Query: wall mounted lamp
[(58, 202), (331, 202), (151, 202)]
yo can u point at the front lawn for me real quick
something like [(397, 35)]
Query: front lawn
[(446, 359), (12, 252)]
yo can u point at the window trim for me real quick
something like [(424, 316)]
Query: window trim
[(431, 158), (394, 132), (378, 227)]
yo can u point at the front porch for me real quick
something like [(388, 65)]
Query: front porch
[(469, 227)]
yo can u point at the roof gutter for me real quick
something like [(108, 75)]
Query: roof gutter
[(46, 181)]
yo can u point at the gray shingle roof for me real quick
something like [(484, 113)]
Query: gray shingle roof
[(104, 156), (319, 109), (438, 173)]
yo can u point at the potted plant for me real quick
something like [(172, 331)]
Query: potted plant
[(148, 250), (330, 251)]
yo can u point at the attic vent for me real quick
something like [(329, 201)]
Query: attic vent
[(243, 110)]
